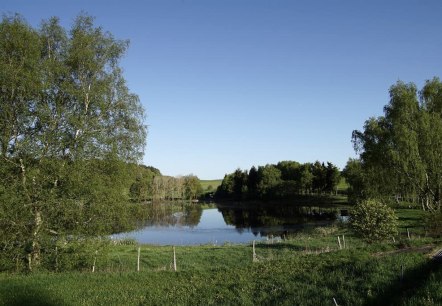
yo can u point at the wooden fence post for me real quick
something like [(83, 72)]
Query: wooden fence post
[(56, 259), (174, 259), (339, 242), (138, 259), (95, 260), (254, 253)]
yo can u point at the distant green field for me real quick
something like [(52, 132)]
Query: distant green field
[(209, 185)]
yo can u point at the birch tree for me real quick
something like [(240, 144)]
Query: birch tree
[(401, 152), (67, 120)]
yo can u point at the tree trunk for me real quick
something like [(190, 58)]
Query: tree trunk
[(34, 256)]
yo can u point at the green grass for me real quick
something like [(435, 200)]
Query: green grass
[(213, 183), (412, 219), (307, 269), (342, 185), (284, 275)]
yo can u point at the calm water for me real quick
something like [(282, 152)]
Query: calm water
[(192, 225)]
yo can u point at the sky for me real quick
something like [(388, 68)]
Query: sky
[(229, 84)]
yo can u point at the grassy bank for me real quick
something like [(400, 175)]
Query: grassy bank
[(307, 269), (210, 185)]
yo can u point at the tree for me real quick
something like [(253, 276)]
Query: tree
[(401, 152), (306, 178), (289, 170), (239, 184), (332, 177), (319, 182), (354, 176), (268, 177), (192, 187), (142, 189), (67, 120), (225, 190), (373, 220), (287, 179), (252, 183)]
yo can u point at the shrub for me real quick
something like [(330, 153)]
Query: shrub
[(373, 220), (75, 253)]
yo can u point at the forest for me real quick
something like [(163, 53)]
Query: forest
[(284, 180)]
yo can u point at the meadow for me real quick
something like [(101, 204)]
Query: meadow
[(309, 268), (210, 185)]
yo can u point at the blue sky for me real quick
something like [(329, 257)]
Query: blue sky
[(236, 83)]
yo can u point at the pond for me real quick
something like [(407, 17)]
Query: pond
[(192, 225)]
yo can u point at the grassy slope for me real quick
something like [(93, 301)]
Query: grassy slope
[(293, 272), (206, 183)]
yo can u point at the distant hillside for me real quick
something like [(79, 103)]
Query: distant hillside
[(210, 185)]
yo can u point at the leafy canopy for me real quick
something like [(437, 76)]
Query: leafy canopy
[(68, 125), (401, 152)]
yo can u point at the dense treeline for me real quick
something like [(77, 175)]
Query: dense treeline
[(401, 152), (284, 180), (150, 185)]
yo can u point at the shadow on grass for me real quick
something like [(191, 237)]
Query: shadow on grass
[(280, 246), (417, 218), (14, 294), (407, 286)]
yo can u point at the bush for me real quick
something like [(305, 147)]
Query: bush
[(75, 253), (373, 220)]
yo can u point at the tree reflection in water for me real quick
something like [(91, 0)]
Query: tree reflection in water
[(187, 223), (172, 214), (277, 220)]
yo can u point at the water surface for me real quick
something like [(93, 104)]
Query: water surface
[(192, 225)]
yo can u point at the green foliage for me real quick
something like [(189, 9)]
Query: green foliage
[(226, 188), (373, 220), (434, 224), (401, 152), (192, 187), (74, 254), (289, 170), (268, 178), (354, 176), (142, 189), (68, 125), (285, 180), (239, 184)]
